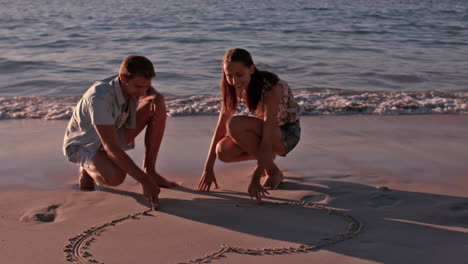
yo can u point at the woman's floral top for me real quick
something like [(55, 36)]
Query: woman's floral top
[(288, 108)]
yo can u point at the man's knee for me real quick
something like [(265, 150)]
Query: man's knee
[(160, 99), (159, 112)]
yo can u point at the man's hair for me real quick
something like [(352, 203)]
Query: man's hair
[(135, 65)]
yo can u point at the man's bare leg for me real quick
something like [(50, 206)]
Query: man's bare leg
[(104, 171), (153, 138), (101, 171), (86, 182), (155, 122)]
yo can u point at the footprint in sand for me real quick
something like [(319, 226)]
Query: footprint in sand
[(341, 176), (317, 198), (379, 200), (459, 208), (44, 215)]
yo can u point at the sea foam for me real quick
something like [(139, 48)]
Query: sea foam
[(311, 102)]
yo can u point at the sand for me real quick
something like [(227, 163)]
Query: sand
[(387, 189)]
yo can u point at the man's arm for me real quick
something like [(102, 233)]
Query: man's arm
[(110, 142)]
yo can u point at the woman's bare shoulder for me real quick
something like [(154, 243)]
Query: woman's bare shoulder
[(275, 92)]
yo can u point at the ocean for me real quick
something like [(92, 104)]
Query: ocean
[(339, 56)]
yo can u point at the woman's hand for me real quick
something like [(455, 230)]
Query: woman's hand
[(207, 178), (256, 190)]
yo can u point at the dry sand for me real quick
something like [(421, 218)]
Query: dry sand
[(400, 181)]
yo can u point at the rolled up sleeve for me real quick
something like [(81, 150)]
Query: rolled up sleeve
[(101, 110)]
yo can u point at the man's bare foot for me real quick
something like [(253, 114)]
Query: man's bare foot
[(273, 181), (162, 182), (86, 182)]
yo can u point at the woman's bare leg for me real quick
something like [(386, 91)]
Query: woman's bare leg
[(228, 151), (243, 143)]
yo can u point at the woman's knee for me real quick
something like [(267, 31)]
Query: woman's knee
[(228, 151), (239, 125), (222, 150), (235, 125)]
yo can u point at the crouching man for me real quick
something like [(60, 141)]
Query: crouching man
[(105, 123)]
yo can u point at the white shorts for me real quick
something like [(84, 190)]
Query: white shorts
[(83, 157)]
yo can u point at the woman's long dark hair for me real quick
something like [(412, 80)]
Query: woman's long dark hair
[(259, 80)]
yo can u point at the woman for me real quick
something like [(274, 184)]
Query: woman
[(273, 129)]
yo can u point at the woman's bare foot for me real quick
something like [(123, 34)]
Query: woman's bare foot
[(85, 181), (273, 181)]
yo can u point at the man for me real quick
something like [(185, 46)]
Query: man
[(105, 123)]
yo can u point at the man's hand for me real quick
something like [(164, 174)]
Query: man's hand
[(207, 178), (256, 190), (151, 193)]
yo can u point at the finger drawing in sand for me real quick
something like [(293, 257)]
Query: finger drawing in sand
[(105, 122), (271, 129)]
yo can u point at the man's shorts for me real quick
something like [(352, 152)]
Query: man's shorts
[(83, 157), (291, 133)]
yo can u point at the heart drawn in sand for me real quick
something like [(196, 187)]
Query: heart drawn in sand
[(78, 248)]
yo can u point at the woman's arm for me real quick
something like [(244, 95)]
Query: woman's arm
[(271, 103), (208, 176)]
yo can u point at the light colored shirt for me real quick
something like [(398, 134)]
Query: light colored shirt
[(124, 116), (102, 104)]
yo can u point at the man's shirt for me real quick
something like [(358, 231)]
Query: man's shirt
[(102, 104)]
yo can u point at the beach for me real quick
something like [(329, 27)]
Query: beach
[(380, 174), (388, 189)]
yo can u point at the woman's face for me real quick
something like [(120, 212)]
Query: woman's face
[(238, 75)]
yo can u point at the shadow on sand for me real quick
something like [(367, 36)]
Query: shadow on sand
[(399, 226)]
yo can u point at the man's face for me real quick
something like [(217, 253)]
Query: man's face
[(136, 87)]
